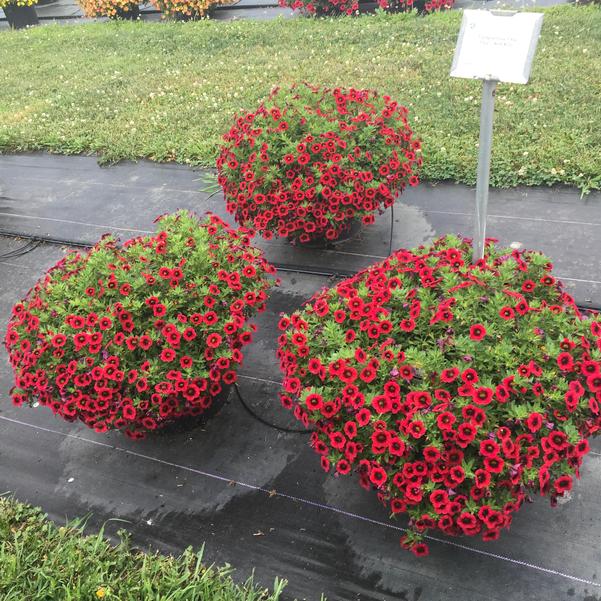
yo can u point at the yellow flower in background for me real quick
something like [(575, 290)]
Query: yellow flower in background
[(108, 8), (4, 3), (101, 593)]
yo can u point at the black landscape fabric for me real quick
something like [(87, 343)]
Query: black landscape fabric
[(255, 495)]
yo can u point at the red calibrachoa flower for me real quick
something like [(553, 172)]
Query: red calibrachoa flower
[(299, 166), (137, 361), (505, 386)]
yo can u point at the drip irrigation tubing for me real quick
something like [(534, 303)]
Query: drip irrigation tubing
[(23, 250), (284, 267), (265, 422)]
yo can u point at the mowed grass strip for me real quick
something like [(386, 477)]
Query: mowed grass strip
[(42, 562), (168, 91)]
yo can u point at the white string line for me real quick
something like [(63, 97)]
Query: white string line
[(304, 501), (259, 379), (345, 252), (561, 277), (111, 185), (108, 227), (16, 265), (541, 219)]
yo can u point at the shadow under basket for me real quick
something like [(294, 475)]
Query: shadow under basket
[(188, 423)]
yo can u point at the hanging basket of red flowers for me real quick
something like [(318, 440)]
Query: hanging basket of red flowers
[(134, 337), (310, 160), (454, 390)]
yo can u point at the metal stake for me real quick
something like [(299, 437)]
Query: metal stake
[(486, 121)]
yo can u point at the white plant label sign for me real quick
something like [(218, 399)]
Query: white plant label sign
[(496, 45)]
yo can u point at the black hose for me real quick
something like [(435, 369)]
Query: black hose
[(285, 267), (265, 422), (23, 250)]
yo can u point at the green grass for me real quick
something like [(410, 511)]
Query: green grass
[(167, 91), (42, 562)]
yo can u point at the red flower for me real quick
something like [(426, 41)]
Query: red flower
[(167, 355), (483, 478), (314, 402), (477, 332), (420, 550), (562, 484), (482, 395), (377, 476), (507, 313), (449, 375), (445, 420), (494, 464), (58, 341), (416, 429), (565, 361), (470, 376), (407, 325), (534, 422), (214, 340)]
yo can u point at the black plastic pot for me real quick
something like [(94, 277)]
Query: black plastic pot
[(184, 17), (133, 14), (419, 5), (20, 17), (190, 422)]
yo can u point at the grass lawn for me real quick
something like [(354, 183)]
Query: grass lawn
[(42, 562), (167, 91)]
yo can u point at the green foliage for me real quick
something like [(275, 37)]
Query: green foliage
[(456, 379), (43, 562), (134, 336), (168, 91)]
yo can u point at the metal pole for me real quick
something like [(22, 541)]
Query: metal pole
[(486, 120)]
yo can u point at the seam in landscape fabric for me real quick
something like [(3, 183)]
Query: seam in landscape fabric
[(516, 217), (307, 501)]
